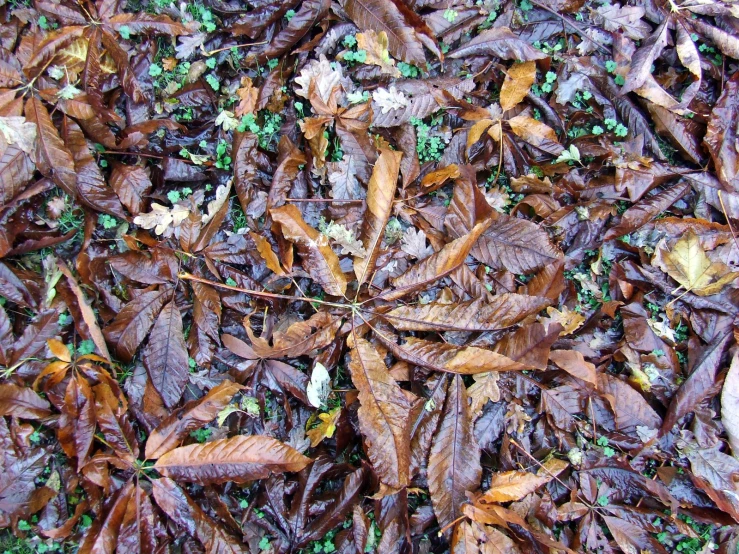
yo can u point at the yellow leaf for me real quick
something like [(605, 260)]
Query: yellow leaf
[(485, 388), (569, 320), (375, 44), (325, 429), (514, 485), (688, 264), (517, 84)]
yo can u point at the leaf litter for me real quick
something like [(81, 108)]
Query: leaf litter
[(369, 276)]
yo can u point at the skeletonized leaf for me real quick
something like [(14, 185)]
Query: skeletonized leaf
[(384, 414), (238, 459), (319, 259), (319, 387), (380, 195), (165, 356), (454, 462), (503, 311)]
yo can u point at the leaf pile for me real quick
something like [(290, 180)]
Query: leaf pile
[(369, 276)]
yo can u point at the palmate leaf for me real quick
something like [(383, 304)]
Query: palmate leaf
[(238, 459)]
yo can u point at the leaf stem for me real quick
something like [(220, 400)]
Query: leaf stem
[(261, 294)]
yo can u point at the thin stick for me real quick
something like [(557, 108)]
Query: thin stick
[(211, 52), (336, 200), (260, 294), (728, 219)]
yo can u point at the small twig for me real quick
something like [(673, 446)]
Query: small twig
[(211, 52), (261, 294), (337, 200), (728, 219), (572, 24)]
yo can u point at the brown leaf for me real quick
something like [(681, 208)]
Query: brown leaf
[(189, 516), (721, 136), (536, 133), (500, 42), (383, 415), (103, 535), (237, 459), (131, 183), (165, 355), (22, 402), (53, 159), (529, 345), (380, 195), (514, 485), (574, 363), (641, 62), (437, 266), (629, 407), (503, 311), (517, 245), (704, 366), (440, 356), (87, 312), (318, 259), (190, 417), (647, 209), (384, 15), (730, 405), (454, 462)]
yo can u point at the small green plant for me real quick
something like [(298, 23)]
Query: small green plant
[(213, 81), (550, 78), (430, 148), (201, 435), (450, 15), (223, 160), (289, 14), (611, 66), (267, 131), (408, 71), (107, 221)]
